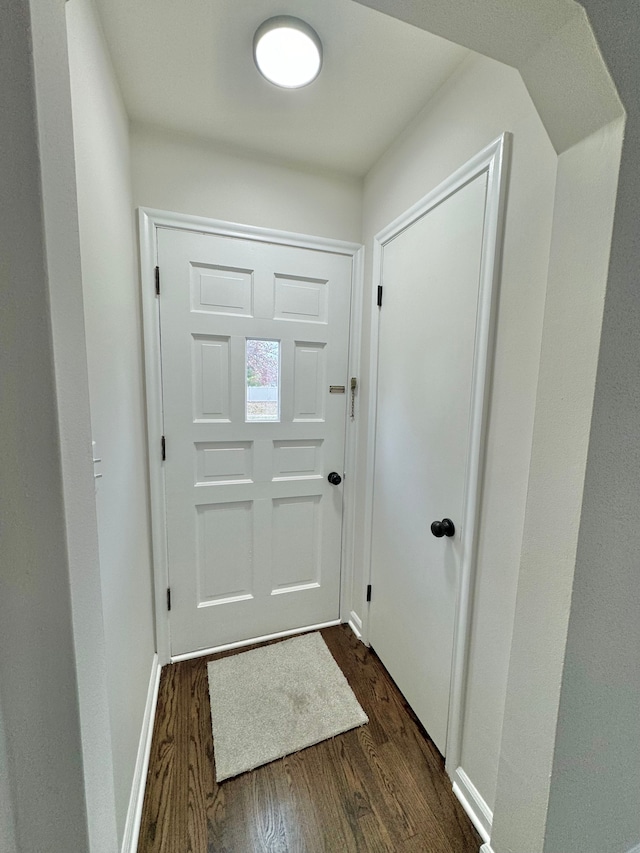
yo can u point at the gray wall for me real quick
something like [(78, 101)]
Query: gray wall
[(37, 664), (7, 817)]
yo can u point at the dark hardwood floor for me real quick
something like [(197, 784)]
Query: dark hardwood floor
[(381, 787)]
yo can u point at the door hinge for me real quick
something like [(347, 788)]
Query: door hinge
[(379, 296), (164, 448), (168, 598), (369, 593), (157, 281)]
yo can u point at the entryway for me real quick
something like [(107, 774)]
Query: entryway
[(381, 787), (252, 332)]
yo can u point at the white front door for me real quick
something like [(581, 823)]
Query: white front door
[(427, 337), (253, 334)]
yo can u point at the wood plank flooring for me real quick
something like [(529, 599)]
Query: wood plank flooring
[(380, 788)]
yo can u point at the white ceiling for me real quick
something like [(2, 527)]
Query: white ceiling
[(188, 65)]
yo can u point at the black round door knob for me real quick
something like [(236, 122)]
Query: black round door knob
[(446, 527), (334, 478)]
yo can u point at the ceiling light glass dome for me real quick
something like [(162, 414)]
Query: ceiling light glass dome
[(287, 52)]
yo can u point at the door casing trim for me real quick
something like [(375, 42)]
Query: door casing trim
[(493, 160), (149, 221)]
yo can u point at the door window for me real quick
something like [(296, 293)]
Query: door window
[(263, 380)]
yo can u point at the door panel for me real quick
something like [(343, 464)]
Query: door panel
[(252, 335), (297, 524), (431, 278)]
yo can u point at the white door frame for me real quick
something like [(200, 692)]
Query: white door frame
[(149, 221), (494, 160)]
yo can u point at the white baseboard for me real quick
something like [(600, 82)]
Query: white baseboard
[(355, 623), (134, 812), (213, 651), (486, 848), (479, 812)]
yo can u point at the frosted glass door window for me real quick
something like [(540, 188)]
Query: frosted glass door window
[(263, 380)]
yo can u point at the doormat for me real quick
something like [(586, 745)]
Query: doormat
[(275, 700)]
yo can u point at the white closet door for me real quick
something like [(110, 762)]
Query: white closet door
[(431, 278)]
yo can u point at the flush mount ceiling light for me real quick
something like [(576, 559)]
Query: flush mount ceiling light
[(287, 52)]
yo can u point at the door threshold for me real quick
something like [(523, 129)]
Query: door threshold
[(203, 652)]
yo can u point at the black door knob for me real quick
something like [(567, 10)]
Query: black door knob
[(334, 478), (446, 527)]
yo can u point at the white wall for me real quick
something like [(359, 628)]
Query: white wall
[(475, 106), (52, 668), (114, 353), (549, 41), (40, 720), (595, 792), (571, 334), (186, 175)]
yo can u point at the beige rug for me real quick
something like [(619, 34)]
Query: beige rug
[(275, 700)]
